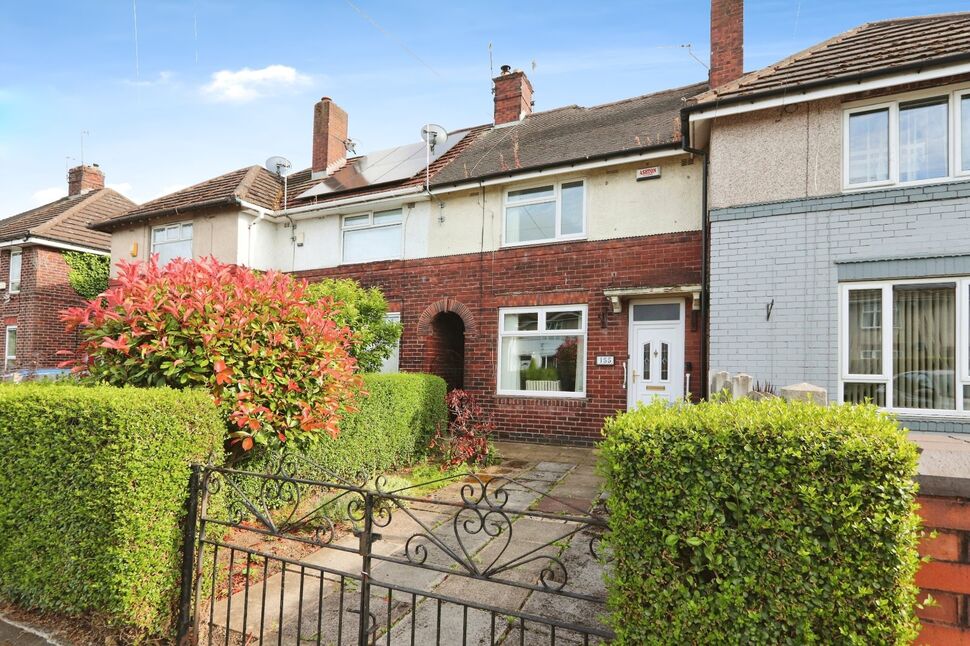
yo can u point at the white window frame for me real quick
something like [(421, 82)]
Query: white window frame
[(394, 317), (540, 330), (961, 374), (16, 251), (344, 228), (953, 94), (7, 357), (163, 227), (557, 197)]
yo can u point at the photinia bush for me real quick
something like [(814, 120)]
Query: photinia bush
[(466, 440), (278, 365)]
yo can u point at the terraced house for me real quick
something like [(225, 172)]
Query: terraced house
[(34, 276), (840, 218), (549, 262)]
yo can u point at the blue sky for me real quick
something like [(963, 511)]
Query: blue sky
[(218, 84)]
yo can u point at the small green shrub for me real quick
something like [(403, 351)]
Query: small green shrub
[(393, 427), (87, 272), (93, 482), (761, 523)]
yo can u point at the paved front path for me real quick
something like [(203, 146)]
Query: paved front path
[(11, 635), (554, 481)]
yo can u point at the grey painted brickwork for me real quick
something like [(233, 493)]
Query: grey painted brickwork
[(791, 252)]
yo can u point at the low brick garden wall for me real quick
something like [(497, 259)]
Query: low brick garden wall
[(947, 575)]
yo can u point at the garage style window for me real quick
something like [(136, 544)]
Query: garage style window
[(545, 213), (906, 344), (542, 351), (372, 236), (10, 349), (16, 262), (172, 241), (907, 141)]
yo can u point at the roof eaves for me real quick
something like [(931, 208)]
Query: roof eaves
[(107, 226)]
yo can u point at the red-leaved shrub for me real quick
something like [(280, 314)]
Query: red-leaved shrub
[(277, 364), (466, 440)]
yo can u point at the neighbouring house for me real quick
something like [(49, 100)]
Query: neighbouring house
[(549, 262), (839, 199), (34, 283)]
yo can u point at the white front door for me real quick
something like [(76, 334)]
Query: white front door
[(656, 365)]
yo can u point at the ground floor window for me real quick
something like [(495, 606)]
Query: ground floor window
[(542, 351), (393, 362), (906, 344), (10, 349)]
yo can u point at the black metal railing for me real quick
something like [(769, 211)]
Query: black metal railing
[(451, 572)]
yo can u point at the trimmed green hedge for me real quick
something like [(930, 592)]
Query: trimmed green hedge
[(396, 421), (92, 486), (761, 523)]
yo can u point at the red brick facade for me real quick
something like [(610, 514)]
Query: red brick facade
[(947, 575), (44, 292), (473, 287)]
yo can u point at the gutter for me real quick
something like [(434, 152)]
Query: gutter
[(109, 225), (54, 244), (856, 77)]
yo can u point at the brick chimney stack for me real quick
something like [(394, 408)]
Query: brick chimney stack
[(84, 179), (513, 96), (329, 136), (727, 41)]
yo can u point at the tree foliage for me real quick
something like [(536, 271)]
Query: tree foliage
[(87, 272), (364, 311), (275, 361)]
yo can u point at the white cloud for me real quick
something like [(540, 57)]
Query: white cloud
[(247, 84), (124, 187), (46, 195)]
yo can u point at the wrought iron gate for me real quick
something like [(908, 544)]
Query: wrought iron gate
[(297, 555)]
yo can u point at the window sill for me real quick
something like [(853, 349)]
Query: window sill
[(541, 394), (540, 243), (882, 186)]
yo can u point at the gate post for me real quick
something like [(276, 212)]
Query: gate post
[(364, 549), (188, 555)]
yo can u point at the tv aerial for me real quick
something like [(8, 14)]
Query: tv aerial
[(433, 134), (279, 165)]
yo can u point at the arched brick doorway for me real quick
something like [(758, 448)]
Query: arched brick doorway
[(444, 326)]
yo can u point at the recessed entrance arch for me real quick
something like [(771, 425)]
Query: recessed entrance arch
[(444, 326)]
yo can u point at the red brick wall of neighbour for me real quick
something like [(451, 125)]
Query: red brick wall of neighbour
[(947, 575), (475, 286), (44, 292)]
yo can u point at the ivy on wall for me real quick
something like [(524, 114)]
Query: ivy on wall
[(88, 273)]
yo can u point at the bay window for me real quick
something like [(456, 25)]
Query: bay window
[(907, 141), (542, 351), (172, 241), (372, 236), (906, 344), (545, 213)]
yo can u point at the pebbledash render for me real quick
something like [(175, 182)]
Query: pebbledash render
[(839, 201), (34, 284), (549, 262)]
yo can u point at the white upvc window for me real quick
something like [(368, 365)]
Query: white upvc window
[(368, 237), (545, 213), (393, 362), (914, 355), (16, 265), (10, 349), (542, 351), (919, 138), (172, 241)]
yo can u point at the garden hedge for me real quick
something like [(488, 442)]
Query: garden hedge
[(761, 523), (92, 486), (396, 421)]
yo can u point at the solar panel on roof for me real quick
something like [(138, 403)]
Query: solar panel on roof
[(390, 165)]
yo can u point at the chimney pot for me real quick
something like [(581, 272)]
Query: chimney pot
[(329, 135), (513, 95), (84, 179), (727, 41)]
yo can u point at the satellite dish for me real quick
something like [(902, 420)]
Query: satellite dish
[(279, 165), (433, 134)]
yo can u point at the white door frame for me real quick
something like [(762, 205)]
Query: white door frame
[(632, 326)]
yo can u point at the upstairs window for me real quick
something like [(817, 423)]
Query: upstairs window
[(545, 213), (907, 141), (373, 236), (16, 262), (172, 241)]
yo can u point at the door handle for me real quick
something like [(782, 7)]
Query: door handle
[(624, 374), (634, 375)]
